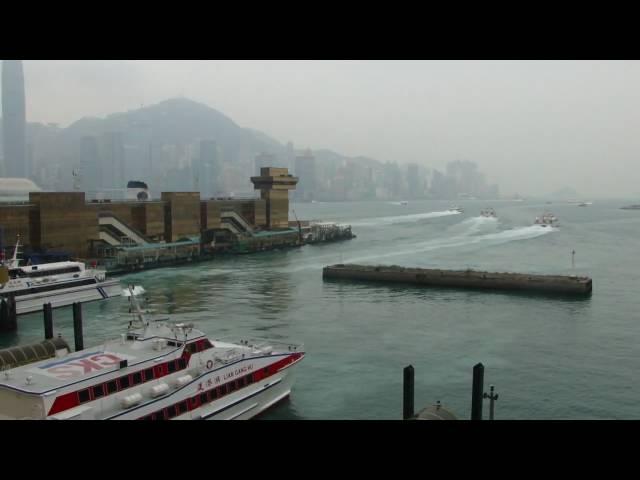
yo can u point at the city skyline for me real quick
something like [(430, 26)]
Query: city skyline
[(533, 127)]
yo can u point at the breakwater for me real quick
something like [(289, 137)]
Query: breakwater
[(569, 284)]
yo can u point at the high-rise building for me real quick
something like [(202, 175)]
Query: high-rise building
[(414, 181), (89, 165), (264, 160), (306, 173), (112, 161), (14, 119)]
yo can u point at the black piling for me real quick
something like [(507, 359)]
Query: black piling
[(4, 316), (48, 321), (8, 316), (13, 314), (77, 326), (408, 393), (477, 392)]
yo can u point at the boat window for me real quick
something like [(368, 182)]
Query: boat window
[(206, 344), (112, 386), (148, 374), (214, 394), (231, 386), (137, 378), (182, 407), (190, 347), (203, 398), (171, 411), (182, 363), (222, 391), (171, 366), (83, 395), (124, 382), (98, 391), (250, 378), (239, 383)]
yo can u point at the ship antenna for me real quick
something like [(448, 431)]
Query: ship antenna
[(138, 311), (14, 260)]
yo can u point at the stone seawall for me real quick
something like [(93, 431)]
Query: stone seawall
[(462, 278)]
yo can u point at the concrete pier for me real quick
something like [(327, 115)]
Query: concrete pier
[(569, 284)]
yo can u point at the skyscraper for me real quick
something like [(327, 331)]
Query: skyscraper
[(264, 160), (90, 165), (14, 119), (306, 172), (112, 160)]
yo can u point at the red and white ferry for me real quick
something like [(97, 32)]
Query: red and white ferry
[(156, 371)]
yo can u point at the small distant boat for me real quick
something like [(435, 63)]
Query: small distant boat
[(488, 213), (404, 202), (547, 220), (631, 207), (456, 208)]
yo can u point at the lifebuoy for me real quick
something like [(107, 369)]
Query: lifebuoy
[(210, 364)]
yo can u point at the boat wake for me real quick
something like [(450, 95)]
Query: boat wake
[(377, 221), (474, 225), (489, 239)]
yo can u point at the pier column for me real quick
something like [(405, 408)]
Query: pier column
[(4, 315), (77, 326), (477, 392), (48, 321), (408, 393)]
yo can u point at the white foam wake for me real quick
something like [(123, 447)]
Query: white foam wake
[(376, 221), (521, 233)]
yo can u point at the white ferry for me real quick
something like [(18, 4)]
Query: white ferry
[(156, 371), (59, 283)]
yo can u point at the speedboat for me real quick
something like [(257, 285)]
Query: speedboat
[(456, 208), (547, 220), (488, 213)]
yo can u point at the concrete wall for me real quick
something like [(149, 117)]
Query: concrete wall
[(209, 214), (181, 215), (14, 221), (64, 222), (277, 206), (148, 218)]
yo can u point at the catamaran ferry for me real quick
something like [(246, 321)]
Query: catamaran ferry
[(59, 283), (157, 370)]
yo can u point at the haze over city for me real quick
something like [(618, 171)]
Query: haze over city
[(533, 127)]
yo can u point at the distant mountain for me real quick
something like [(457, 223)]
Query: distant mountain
[(179, 121)]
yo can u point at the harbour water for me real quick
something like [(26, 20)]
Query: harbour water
[(550, 358)]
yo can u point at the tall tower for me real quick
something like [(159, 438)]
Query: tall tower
[(14, 119), (274, 185)]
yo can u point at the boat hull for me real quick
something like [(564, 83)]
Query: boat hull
[(249, 404)]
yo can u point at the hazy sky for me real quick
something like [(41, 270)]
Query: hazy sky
[(532, 126)]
